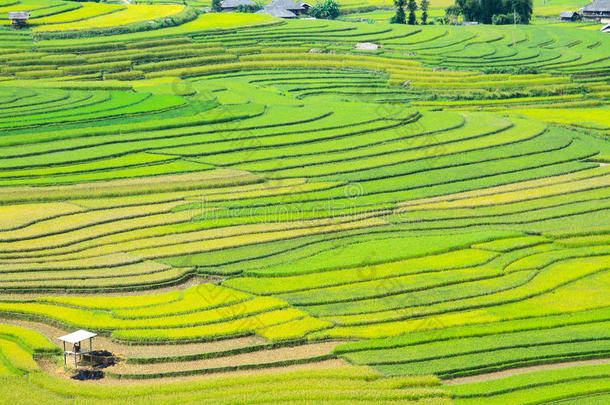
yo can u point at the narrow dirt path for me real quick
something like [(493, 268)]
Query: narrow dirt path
[(259, 357), (103, 343), (58, 371), (193, 281), (522, 370)]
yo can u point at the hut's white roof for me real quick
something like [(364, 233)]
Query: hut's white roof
[(277, 11), (289, 5), (77, 336), (237, 3), (17, 15)]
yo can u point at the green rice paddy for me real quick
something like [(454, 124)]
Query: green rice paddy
[(257, 201)]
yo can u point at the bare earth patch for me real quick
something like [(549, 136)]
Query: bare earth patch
[(258, 357), (523, 370), (191, 282), (132, 186), (58, 371), (367, 46)]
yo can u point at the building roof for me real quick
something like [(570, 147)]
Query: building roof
[(236, 3), (18, 15), (568, 14), (598, 6), (77, 336), (289, 5), (277, 11)]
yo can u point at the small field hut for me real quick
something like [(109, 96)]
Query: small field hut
[(569, 16), (75, 339), (232, 5), (19, 18)]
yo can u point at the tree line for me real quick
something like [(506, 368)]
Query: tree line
[(493, 11), (483, 11), (401, 18)]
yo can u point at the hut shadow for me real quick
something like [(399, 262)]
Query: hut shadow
[(96, 361)]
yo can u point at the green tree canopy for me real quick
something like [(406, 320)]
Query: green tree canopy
[(327, 9), (493, 11), (423, 5), (412, 7), (399, 17)]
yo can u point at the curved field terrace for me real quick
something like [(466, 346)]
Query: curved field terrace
[(246, 209)]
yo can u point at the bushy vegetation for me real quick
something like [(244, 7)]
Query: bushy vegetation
[(327, 9), (499, 12)]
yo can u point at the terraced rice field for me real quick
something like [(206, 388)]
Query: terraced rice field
[(250, 210)]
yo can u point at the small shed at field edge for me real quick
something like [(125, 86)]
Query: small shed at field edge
[(19, 17), (75, 339), (569, 16), (232, 5)]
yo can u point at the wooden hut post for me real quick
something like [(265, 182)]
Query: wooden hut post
[(75, 339)]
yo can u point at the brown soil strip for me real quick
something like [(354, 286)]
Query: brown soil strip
[(522, 370), (217, 178), (208, 175), (258, 357), (524, 185), (103, 343), (59, 371), (193, 281)]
